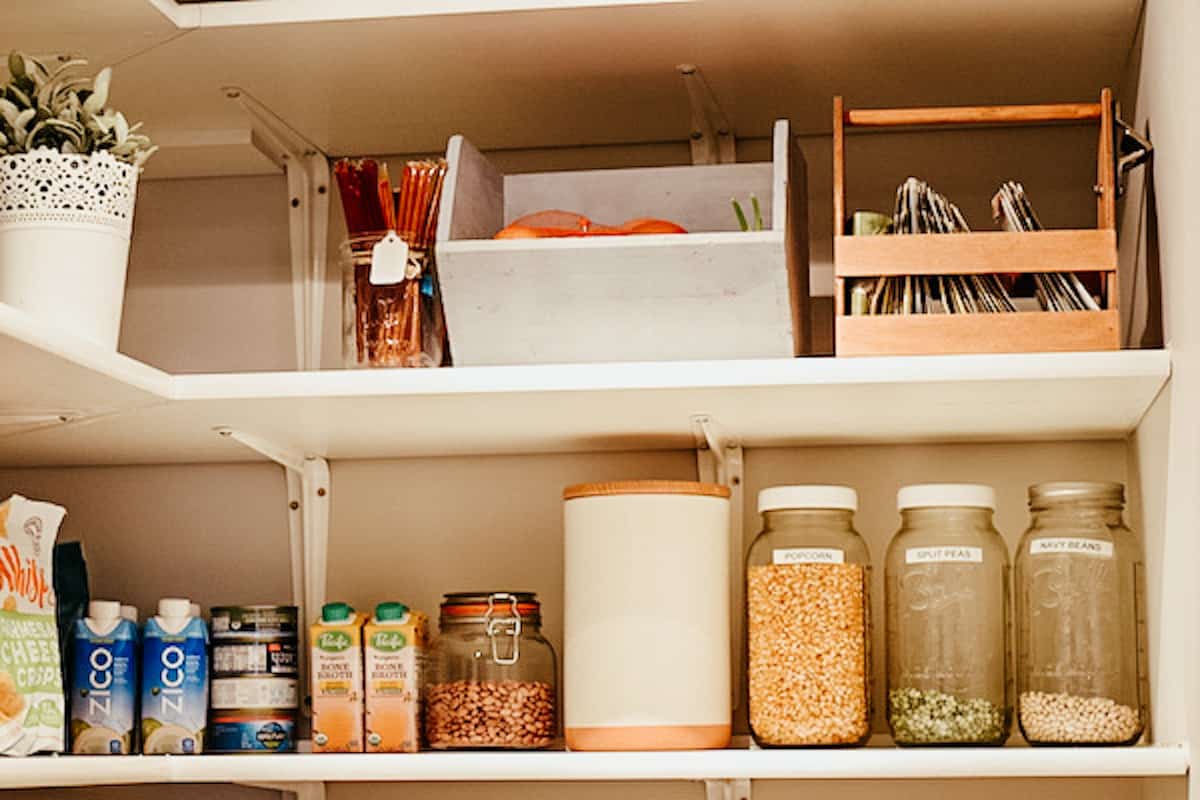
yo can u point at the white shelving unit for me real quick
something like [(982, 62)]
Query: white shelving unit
[(876, 763), (280, 51), (123, 412), (533, 81)]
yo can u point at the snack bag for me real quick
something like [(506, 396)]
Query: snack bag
[(32, 704)]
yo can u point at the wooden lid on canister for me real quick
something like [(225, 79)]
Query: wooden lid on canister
[(608, 488)]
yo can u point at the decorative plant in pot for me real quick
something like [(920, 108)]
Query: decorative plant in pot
[(68, 180)]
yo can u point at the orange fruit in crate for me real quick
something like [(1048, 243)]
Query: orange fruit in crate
[(557, 224)]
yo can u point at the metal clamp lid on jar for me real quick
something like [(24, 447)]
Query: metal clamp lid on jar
[(503, 615)]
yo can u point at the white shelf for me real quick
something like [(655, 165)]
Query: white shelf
[(868, 763), (121, 411), (51, 377), (505, 94)]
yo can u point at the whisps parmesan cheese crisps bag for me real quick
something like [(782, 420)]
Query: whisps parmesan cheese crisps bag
[(31, 691)]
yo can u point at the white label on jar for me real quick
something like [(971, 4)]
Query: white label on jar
[(808, 555), (1073, 545), (936, 555)]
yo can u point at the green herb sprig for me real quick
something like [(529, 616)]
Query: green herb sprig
[(741, 215), (63, 111)]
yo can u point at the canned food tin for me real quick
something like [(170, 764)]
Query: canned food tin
[(265, 622), (252, 731), (254, 692)]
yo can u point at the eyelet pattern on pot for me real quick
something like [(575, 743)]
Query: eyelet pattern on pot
[(48, 186)]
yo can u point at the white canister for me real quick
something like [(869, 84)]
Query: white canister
[(647, 629)]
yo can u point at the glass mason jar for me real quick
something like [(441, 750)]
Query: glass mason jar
[(1078, 605), (493, 682), (394, 324), (946, 583), (807, 575)]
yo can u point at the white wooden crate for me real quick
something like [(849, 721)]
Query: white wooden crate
[(713, 293)]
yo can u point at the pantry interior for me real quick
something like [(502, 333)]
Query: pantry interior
[(450, 481)]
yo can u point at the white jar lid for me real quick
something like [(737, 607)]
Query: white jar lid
[(780, 497), (936, 495)]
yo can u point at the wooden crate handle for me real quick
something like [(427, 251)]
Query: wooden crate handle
[(971, 115)]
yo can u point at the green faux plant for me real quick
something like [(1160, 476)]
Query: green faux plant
[(63, 111)]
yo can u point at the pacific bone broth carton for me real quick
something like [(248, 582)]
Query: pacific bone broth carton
[(104, 682), (32, 704), (174, 680), (337, 680), (395, 643)]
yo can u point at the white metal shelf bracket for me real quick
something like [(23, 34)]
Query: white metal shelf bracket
[(307, 170), (308, 489), (711, 135), (293, 790), (719, 459), (727, 789)]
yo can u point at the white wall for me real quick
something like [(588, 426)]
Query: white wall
[(1168, 105)]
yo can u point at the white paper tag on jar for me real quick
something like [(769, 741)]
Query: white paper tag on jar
[(1072, 545), (808, 555), (389, 261), (939, 555)]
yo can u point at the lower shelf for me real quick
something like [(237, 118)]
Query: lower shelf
[(866, 763)]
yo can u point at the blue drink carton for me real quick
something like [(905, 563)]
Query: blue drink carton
[(174, 680), (104, 682)]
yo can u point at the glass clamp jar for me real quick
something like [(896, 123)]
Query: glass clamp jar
[(807, 579), (493, 682), (946, 584), (394, 322), (1078, 568)]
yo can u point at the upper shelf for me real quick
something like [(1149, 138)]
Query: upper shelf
[(870, 763), (119, 411), (401, 76)]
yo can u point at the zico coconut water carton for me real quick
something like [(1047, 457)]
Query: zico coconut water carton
[(104, 682), (174, 680), (395, 642), (337, 681)]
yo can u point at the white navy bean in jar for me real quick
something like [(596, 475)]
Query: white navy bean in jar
[(946, 582), (1079, 664)]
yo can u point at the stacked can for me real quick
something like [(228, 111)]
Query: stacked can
[(255, 672)]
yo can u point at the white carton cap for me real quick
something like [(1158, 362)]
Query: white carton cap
[(104, 610), (936, 495), (130, 613), (778, 497), (174, 607)]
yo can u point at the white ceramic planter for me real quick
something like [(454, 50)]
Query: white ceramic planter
[(65, 223)]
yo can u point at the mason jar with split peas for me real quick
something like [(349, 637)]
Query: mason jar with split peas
[(946, 582), (807, 575), (1078, 568), (493, 681)]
